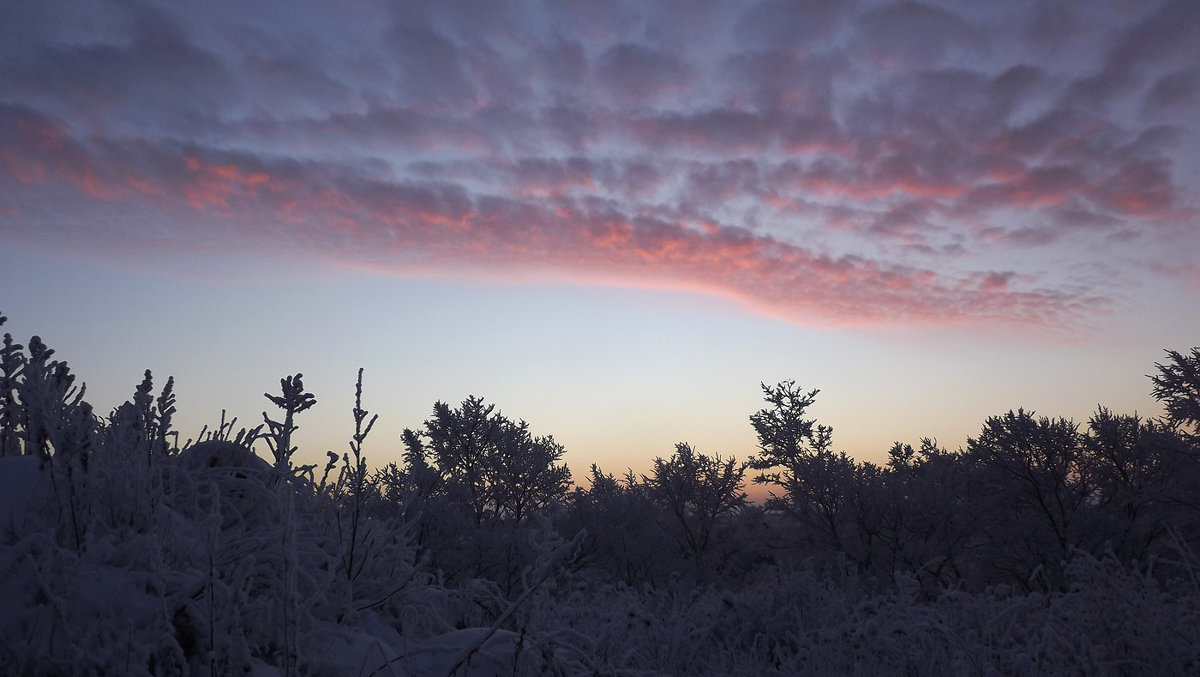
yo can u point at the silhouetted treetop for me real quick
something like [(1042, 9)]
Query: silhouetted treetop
[(486, 463), (784, 434), (1177, 386), (696, 490)]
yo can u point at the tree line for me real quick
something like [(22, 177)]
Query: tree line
[(482, 518), (1010, 507)]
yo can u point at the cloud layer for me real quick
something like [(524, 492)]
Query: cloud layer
[(819, 161)]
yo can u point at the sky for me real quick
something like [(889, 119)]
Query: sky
[(612, 219)]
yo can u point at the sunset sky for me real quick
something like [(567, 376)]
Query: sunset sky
[(612, 219)]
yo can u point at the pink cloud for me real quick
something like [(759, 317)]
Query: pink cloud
[(1137, 188), (821, 161), (403, 226), (411, 226)]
